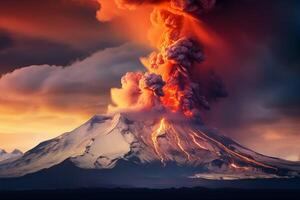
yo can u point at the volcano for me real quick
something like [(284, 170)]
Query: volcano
[(118, 144)]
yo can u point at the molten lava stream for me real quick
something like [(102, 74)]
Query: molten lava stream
[(244, 158), (194, 136), (197, 143), (155, 134), (163, 126), (235, 166), (178, 141)]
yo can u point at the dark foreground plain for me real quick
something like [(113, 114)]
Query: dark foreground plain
[(153, 194)]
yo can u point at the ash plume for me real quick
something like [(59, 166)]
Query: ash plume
[(193, 6), (184, 52), (152, 82), (173, 81)]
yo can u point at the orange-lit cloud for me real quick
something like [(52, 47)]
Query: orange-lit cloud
[(65, 21), (272, 135), (132, 24), (279, 139), (50, 100)]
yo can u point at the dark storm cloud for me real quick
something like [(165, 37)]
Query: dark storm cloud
[(281, 85), (264, 85), (286, 101), (283, 80), (51, 32), (20, 52), (5, 40)]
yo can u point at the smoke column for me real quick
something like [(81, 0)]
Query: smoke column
[(176, 79)]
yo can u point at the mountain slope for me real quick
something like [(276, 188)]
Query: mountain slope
[(104, 141)]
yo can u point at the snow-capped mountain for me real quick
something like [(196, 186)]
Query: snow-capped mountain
[(5, 156), (107, 140)]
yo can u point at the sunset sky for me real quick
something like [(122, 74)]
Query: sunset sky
[(58, 63)]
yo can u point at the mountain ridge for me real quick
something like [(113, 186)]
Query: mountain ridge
[(104, 140), (8, 156)]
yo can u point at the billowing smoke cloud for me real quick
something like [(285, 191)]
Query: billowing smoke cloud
[(172, 81), (152, 82), (184, 52), (138, 90)]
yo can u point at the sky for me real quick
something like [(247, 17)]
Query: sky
[(58, 63)]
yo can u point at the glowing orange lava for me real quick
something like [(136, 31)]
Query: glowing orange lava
[(235, 166), (180, 145), (197, 143), (160, 131), (235, 153)]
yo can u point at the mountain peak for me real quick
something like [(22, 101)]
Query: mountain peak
[(2, 151), (5, 156), (17, 151)]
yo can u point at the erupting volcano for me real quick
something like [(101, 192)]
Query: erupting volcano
[(155, 117), (106, 141)]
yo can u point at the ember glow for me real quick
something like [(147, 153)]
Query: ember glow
[(170, 83)]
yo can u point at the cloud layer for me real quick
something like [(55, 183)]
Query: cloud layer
[(60, 94), (55, 32)]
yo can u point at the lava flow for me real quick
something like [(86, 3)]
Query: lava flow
[(178, 141), (181, 142), (244, 158), (197, 143), (165, 128), (155, 134), (235, 166)]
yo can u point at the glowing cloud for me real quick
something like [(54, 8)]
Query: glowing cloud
[(175, 85)]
